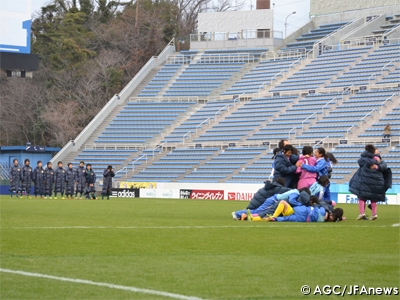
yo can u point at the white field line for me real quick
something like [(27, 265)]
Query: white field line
[(103, 284), (396, 225), (274, 225)]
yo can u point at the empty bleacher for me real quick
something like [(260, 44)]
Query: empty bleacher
[(307, 40), (160, 80), (371, 67), (264, 72), (321, 70), (288, 111), (348, 114)]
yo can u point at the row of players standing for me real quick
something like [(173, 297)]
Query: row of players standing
[(68, 181)]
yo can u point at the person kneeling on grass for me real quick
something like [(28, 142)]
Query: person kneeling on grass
[(90, 181), (270, 205), (269, 189)]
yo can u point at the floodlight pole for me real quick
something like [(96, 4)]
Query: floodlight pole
[(286, 21)]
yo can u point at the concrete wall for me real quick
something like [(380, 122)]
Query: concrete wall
[(235, 21), (347, 16), (318, 7), (249, 43)]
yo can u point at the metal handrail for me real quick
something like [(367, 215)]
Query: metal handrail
[(277, 74), (383, 103), (139, 158), (189, 133), (216, 114), (326, 104), (124, 168), (302, 123), (382, 69), (218, 58), (206, 120), (320, 142), (348, 129), (369, 78), (293, 129), (158, 146)]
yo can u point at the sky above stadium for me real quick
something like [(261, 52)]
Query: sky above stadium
[(282, 9)]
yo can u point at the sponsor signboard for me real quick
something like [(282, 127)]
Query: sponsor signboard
[(202, 194), (159, 193), (352, 199), (125, 193), (240, 196), (137, 185)]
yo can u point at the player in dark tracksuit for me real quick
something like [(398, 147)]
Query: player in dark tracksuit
[(27, 173), (59, 180), (15, 179), (38, 180), (69, 181), (108, 175), (90, 181), (80, 179), (48, 181)]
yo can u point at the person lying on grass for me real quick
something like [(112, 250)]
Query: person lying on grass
[(301, 213), (271, 204)]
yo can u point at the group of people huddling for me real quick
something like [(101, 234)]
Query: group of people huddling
[(62, 181), (299, 191)]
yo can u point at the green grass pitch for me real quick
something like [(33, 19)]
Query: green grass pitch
[(187, 247)]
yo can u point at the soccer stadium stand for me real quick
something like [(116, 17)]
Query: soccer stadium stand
[(307, 40), (174, 131)]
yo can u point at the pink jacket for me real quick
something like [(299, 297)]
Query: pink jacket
[(306, 178)]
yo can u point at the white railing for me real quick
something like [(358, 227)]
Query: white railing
[(138, 159), (165, 99), (199, 126), (280, 73), (302, 123), (390, 62), (363, 118), (348, 130), (358, 42), (323, 107), (226, 58), (383, 103), (189, 134), (180, 59), (284, 54), (370, 77), (221, 109), (295, 132), (158, 146), (321, 142), (123, 169)]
